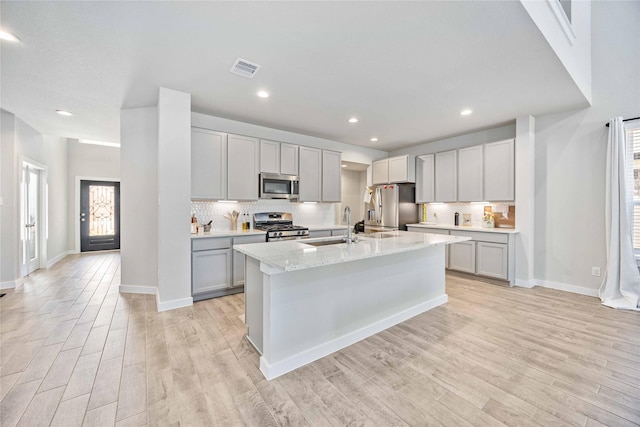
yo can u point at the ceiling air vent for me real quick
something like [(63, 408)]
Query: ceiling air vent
[(244, 68)]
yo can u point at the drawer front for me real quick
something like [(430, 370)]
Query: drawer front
[(429, 230), (204, 244), (479, 236), (245, 240)]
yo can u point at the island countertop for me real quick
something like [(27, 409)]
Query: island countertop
[(294, 255)]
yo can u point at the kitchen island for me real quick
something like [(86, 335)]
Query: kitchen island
[(305, 300)]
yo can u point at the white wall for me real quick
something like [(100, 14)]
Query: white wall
[(89, 161), (174, 199), (57, 245), (573, 48), (22, 142), (139, 198), (353, 184), (9, 192), (571, 153)]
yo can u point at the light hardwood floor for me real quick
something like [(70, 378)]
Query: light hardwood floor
[(74, 351)]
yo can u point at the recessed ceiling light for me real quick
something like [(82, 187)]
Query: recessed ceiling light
[(344, 166), (353, 120), (374, 139), (263, 94), (4, 35), (465, 112), (64, 113)]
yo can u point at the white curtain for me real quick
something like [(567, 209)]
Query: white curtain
[(621, 285)]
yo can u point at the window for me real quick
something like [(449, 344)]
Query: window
[(633, 179)]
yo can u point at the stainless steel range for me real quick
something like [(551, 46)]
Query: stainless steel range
[(279, 226)]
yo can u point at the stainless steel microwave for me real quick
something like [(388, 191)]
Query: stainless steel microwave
[(274, 186)]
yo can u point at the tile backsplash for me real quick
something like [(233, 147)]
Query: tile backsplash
[(444, 213), (308, 215)]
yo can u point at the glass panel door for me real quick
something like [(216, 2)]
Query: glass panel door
[(99, 215), (30, 210)]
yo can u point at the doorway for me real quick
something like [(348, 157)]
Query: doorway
[(30, 218), (99, 215)]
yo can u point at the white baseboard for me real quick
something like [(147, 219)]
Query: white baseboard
[(172, 305), (8, 285), (525, 283), (277, 369), (147, 290), (567, 288), (54, 261)]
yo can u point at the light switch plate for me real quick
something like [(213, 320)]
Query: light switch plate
[(595, 271)]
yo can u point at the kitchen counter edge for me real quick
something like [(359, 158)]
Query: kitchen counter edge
[(228, 233), (466, 228)]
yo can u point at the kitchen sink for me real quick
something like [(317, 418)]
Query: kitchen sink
[(324, 242)]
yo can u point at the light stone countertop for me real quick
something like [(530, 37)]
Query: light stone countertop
[(466, 228), (294, 255), (228, 233), (327, 227)]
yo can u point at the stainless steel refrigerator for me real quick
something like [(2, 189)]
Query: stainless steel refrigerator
[(392, 207)]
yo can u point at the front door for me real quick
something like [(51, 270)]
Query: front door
[(30, 219), (99, 215)]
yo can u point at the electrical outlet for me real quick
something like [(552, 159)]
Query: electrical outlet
[(595, 271)]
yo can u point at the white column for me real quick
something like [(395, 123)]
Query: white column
[(174, 201), (139, 200), (525, 196)]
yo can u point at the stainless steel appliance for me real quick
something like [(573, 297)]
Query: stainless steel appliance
[(279, 226), (274, 186), (392, 207)]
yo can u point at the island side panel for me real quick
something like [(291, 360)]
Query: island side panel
[(253, 302), (311, 313)]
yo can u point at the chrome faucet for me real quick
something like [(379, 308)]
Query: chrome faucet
[(346, 216)]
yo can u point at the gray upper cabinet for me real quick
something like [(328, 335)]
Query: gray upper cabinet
[(402, 169), (446, 176), (499, 171), (208, 164), (278, 157), (470, 174), (331, 176), (425, 178), (380, 171), (288, 159), (243, 167), (269, 156), (310, 174)]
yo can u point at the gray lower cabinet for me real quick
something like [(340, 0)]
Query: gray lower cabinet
[(211, 272), (216, 269), (492, 260), (462, 256), (319, 233), (488, 254)]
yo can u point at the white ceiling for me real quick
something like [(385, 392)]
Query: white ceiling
[(405, 69)]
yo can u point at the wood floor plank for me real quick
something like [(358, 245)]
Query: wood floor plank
[(83, 376), (16, 401), (42, 408), (71, 412)]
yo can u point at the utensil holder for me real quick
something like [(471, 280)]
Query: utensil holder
[(234, 224)]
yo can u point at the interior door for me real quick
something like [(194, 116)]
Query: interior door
[(30, 219), (99, 216)]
